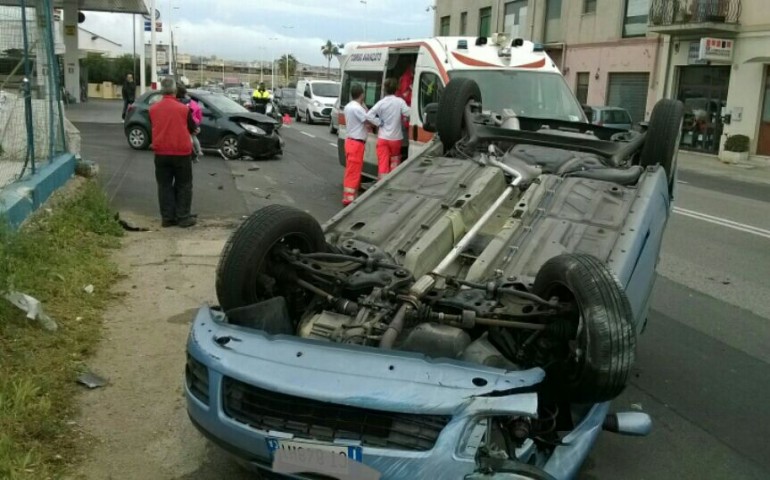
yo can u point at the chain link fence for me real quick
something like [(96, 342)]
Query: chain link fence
[(32, 131)]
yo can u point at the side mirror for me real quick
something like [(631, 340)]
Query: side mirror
[(430, 117), (207, 113)]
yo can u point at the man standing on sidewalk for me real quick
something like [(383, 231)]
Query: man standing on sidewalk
[(388, 115), (172, 124), (355, 144), (128, 92)]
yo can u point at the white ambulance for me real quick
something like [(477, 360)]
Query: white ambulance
[(511, 73)]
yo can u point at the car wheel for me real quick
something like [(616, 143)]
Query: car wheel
[(138, 138), (250, 266), (229, 147), (332, 130), (451, 110), (598, 336), (309, 117), (664, 133), (297, 117)]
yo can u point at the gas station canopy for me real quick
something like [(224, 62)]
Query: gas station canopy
[(115, 6)]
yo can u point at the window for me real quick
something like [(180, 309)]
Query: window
[(371, 82), (516, 18), (589, 6), (553, 30), (464, 23), (528, 94), (431, 89), (485, 22), (581, 88), (635, 18), (443, 30)]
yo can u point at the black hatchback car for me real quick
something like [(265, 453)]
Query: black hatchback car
[(226, 127), (286, 98)]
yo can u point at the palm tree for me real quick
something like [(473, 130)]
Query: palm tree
[(281, 65), (330, 50)]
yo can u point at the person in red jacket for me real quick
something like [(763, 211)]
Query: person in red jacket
[(172, 124)]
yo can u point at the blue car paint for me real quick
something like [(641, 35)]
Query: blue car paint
[(362, 377)]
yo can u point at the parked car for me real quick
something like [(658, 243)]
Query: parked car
[(286, 98), (234, 93), (471, 317), (315, 99), (224, 121), (334, 122), (610, 117)]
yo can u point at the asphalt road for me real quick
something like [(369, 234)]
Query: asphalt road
[(702, 364)]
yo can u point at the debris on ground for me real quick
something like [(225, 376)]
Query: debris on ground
[(89, 289), (33, 307), (92, 380), (253, 169), (128, 227)]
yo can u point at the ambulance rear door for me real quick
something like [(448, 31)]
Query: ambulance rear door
[(429, 81), (364, 66)]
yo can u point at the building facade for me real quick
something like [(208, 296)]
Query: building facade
[(716, 56), (713, 55)]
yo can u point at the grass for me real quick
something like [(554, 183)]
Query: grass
[(63, 248)]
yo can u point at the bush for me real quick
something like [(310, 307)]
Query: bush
[(737, 143)]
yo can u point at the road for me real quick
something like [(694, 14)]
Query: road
[(702, 366)]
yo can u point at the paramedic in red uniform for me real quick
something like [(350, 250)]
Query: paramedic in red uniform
[(172, 124), (355, 143), (387, 115)]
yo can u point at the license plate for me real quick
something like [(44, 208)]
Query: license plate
[(316, 453)]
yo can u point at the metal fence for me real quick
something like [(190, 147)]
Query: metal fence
[(32, 131)]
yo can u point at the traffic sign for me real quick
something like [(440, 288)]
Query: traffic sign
[(158, 26), (147, 15)]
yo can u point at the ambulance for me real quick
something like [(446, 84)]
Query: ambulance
[(512, 73)]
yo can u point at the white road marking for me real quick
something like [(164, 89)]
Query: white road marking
[(333, 144), (682, 182), (741, 227), (307, 134)]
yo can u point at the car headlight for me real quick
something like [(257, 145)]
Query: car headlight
[(316, 103), (252, 129)]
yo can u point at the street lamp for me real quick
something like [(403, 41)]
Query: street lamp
[(287, 27), (272, 64)]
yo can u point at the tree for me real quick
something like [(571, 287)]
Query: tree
[(330, 50), (280, 66)]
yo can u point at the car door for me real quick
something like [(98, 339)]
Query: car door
[(210, 130)]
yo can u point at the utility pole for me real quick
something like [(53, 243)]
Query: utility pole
[(287, 27), (153, 48)]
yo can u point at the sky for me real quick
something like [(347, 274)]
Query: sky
[(243, 29)]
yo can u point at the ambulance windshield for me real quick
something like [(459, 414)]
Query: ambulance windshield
[(528, 94)]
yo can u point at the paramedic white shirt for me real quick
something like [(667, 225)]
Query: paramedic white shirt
[(390, 110), (355, 118)]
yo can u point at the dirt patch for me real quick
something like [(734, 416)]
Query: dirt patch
[(139, 421)]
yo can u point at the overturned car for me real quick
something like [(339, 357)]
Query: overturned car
[(469, 317)]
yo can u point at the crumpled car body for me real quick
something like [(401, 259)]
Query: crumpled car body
[(417, 409)]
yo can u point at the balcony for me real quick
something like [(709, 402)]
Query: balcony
[(695, 17)]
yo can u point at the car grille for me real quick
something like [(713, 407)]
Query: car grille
[(305, 418), (326, 112), (197, 377)]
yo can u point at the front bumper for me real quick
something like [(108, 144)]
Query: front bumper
[(367, 378), (257, 146), (320, 114)]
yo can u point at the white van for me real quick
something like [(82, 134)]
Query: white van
[(511, 73), (315, 99)]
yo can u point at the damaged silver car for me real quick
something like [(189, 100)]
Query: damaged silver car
[(471, 316)]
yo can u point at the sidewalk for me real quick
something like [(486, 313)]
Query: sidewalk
[(755, 170)]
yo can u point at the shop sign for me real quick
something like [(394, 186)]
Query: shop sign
[(693, 55), (716, 50)]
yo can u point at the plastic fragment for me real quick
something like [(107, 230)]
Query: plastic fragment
[(33, 307), (89, 288), (92, 380)]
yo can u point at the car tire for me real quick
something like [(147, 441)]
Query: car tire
[(243, 274), (229, 147), (603, 328), (309, 117), (664, 133), (297, 116), (138, 138), (450, 123), (332, 130)]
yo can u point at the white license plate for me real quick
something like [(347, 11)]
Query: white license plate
[(314, 453)]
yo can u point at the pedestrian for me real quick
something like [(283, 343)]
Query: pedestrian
[(172, 124), (128, 92), (355, 143), (260, 97), (197, 115), (388, 115)]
